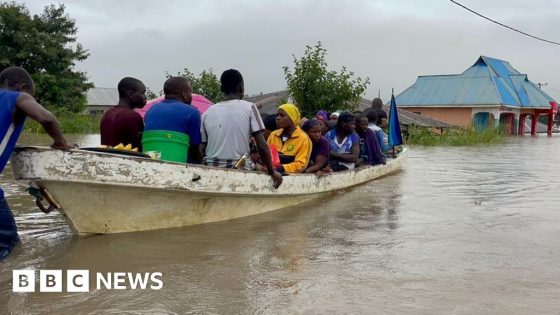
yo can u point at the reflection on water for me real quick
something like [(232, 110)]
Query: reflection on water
[(460, 230)]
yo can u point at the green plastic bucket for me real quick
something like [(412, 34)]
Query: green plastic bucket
[(172, 146)]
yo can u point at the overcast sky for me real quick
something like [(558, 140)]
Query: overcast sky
[(391, 42)]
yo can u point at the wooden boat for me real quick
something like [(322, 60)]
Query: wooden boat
[(110, 193)]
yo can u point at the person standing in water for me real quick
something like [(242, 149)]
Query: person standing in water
[(16, 103)]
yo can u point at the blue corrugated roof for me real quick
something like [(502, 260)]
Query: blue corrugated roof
[(489, 81)]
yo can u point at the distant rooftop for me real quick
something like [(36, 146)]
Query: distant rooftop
[(268, 104), (102, 96), (489, 81), (409, 118)]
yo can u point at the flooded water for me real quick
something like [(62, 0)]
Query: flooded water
[(458, 231)]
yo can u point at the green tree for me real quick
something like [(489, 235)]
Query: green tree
[(206, 84), (45, 45), (313, 87), (151, 94)]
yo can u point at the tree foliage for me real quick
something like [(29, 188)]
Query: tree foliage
[(313, 87), (45, 45), (151, 94), (206, 84)]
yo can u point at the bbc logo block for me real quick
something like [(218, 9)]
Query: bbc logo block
[(50, 280), (23, 280), (77, 280)]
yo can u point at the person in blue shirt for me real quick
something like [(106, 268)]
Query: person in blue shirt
[(176, 114), (16, 103), (344, 143)]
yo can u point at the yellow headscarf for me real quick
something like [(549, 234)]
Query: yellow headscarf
[(292, 111)]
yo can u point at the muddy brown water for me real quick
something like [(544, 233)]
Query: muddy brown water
[(459, 231)]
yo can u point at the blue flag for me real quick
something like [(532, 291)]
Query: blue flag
[(394, 126)]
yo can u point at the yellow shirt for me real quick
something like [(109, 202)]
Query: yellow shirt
[(298, 146)]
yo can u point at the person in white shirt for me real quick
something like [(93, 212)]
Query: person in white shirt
[(227, 128)]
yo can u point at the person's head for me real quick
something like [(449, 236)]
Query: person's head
[(371, 115), (269, 124), (377, 103), (313, 129), (302, 121), (322, 115), (324, 126), (362, 124), (178, 88), (381, 118), (288, 116), (334, 116), (345, 123), (133, 91), (232, 83), (17, 79)]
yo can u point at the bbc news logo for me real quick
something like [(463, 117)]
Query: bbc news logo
[(79, 280)]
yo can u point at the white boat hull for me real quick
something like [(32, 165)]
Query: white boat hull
[(106, 193)]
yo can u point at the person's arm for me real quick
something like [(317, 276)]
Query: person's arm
[(380, 134), (202, 149), (27, 104), (195, 153), (264, 153), (195, 134), (140, 132), (348, 157), (203, 136), (320, 162), (361, 162)]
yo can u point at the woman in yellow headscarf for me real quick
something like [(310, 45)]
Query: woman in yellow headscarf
[(293, 144)]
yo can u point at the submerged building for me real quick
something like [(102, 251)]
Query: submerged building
[(489, 93)]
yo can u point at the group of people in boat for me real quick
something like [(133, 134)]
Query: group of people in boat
[(234, 130), (226, 133)]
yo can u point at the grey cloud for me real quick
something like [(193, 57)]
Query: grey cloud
[(391, 42)]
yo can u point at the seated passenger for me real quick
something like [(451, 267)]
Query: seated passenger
[(294, 146), (370, 152), (378, 119), (121, 124), (319, 158), (322, 115), (323, 118), (334, 116), (344, 143), (174, 122), (227, 128), (302, 121), (269, 125)]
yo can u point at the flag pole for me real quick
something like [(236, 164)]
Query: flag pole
[(392, 95)]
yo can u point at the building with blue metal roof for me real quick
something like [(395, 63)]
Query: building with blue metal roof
[(490, 92)]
